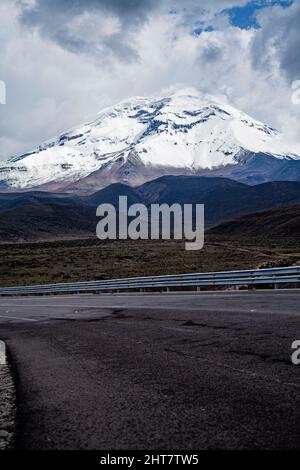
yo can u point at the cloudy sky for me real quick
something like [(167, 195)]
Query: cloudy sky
[(64, 60)]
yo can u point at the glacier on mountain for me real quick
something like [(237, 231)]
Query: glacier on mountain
[(183, 132)]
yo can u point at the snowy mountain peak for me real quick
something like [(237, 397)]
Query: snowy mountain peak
[(139, 138)]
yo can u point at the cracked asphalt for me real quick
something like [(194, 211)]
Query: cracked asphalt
[(159, 371)]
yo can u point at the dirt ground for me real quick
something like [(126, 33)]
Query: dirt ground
[(92, 259)]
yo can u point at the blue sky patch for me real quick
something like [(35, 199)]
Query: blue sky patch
[(198, 31), (245, 17)]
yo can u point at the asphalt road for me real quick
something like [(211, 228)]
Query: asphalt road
[(160, 371)]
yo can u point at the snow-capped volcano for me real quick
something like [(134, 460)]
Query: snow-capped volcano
[(142, 138)]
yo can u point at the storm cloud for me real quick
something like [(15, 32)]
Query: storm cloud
[(104, 27), (68, 23), (278, 40)]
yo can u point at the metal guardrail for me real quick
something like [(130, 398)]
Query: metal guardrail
[(269, 277)]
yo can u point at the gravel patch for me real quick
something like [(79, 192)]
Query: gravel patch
[(7, 408)]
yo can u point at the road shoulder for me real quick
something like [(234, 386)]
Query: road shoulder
[(7, 408)]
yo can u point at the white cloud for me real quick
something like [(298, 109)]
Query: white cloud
[(51, 88)]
